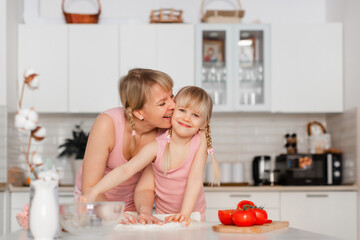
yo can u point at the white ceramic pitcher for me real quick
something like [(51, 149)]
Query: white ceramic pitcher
[(44, 210)]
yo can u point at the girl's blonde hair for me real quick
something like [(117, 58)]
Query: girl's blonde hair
[(197, 99), (135, 89)]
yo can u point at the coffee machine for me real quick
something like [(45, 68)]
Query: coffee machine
[(261, 167)]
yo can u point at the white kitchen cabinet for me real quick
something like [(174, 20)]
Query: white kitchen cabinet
[(44, 48), (307, 67), (159, 46), (3, 212), (228, 200), (232, 65), (93, 67), (330, 213), (19, 199), (176, 53)]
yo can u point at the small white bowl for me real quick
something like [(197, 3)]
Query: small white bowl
[(92, 218)]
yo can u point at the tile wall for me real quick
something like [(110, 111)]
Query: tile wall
[(237, 137), (3, 127)]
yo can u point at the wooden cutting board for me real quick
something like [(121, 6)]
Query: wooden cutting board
[(267, 227)]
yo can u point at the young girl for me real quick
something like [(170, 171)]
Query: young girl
[(172, 156)]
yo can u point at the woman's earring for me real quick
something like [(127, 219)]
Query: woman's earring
[(142, 119)]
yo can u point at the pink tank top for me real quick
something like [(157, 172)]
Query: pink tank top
[(125, 191), (170, 188)]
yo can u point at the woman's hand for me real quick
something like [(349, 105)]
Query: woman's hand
[(128, 218), (149, 219), (179, 217), (86, 198)]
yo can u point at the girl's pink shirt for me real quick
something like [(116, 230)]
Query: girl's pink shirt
[(170, 188), (125, 191)]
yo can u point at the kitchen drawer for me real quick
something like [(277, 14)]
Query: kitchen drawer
[(212, 215), (229, 200), (330, 213)]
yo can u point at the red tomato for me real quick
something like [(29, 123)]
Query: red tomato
[(261, 216), (268, 221), (243, 203), (244, 218), (225, 216)]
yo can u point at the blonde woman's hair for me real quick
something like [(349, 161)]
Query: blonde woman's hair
[(135, 89), (196, 98)]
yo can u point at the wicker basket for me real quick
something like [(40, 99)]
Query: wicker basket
[(81, 18), (167, 15), (222, 16)]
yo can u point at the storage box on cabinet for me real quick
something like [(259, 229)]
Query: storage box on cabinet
[(229, 200), (329, 213)]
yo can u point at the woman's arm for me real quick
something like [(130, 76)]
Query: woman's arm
[(101, 142), (123, 172), (144, 197), (194, 183)]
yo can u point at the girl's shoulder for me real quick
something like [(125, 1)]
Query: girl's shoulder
[(162, 133)]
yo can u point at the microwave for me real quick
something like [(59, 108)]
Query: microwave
[(309, 169)]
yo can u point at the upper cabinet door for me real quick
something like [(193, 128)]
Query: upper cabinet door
[(176, 53), (44, 48), (251, 73), (307, 67), (214, 68), (137, 47), (93, 68)]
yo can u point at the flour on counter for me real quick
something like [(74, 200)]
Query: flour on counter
[(195, 220)]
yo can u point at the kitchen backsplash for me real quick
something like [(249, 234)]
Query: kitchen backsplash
[(237, 137), (3, 126)]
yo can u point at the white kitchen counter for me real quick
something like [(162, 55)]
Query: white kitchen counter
[(231, 188), (203, 232)]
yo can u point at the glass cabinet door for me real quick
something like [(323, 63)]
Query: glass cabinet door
[(213, 63), (252, 86)]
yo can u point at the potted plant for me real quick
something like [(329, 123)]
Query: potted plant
[(74, 148)]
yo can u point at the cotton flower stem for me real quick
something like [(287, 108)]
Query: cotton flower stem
[(28, 160), (22, 94)]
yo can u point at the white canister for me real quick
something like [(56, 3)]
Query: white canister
[(226, 172), (238, 173)]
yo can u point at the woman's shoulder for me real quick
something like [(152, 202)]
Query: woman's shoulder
[(115, 112)]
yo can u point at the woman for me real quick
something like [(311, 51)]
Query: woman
[(118, 134)]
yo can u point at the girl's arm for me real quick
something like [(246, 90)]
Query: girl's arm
[(144, 197), (122, 172), (194, 183)]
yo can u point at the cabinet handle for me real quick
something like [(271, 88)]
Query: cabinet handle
[(317, 195), (240, 195)]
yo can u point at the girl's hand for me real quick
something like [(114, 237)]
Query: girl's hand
[(128, 218), (179, 217), (149, 219)]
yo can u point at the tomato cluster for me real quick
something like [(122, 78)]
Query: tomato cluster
[(246, 214)]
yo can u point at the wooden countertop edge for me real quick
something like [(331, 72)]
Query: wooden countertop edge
[(281, 188), (12, 188)]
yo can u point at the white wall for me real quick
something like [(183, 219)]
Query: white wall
[(3, 52), (138, 11), (351, 67)]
